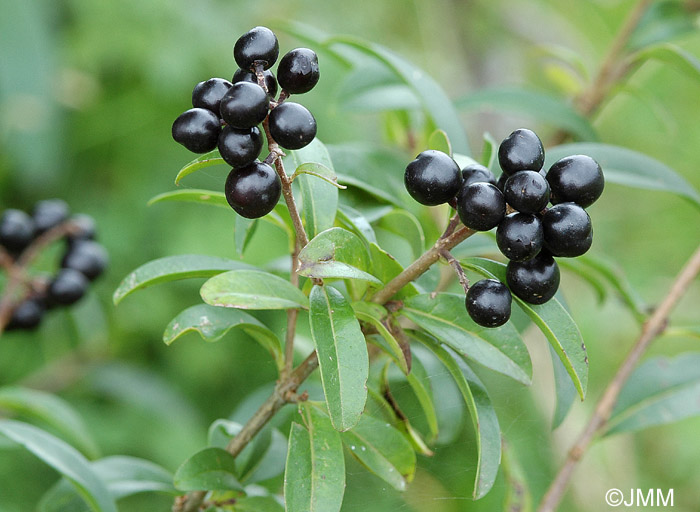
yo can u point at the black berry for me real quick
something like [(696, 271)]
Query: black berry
[(527, 192), (298, 72), (501, 183), (87, 257), (243, 75), (488, 303), (567, 230), (577, 179), (253, 190), (27, 314), (83, 227), (197, 129), (244, 105), (521, 151), (534, 281), (68, 287), (257, 45), (49, 213), (240, 147), (208, 94), (292, 125), (477, 173), (481, 206), (432, 178), (16, 230), (519, 236)]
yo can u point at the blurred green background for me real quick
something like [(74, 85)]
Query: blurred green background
[(88, 92)]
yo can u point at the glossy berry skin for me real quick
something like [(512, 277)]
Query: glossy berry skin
[(481, 206), (501, 183), (49, 213), (292, 125), (244, 105), (488, 303), (253, 190), (16, 230), (27, 315), (522, 150), (208, 94), (520, 236), (432, 178), (477, 173), (83, 227), (568, 231), (197, 129), (87, 257), (260, 45), (527, 192), (67, 288), (535, 281), (240, 147), (577, 179), (242, 75), (298, 72)]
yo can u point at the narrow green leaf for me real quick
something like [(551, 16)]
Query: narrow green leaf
[(439, 141), (192, 195), (63, 458), (404, 224), (212, 323), (173, 268), (445, 317), (208, 469), (355, 222), (221, 431), (565, 391), (51, 410), (672, 55), (243, 233), (342, 355), (662, 21), (386, 268), (252, 289), (518, 495), (420, 383), (206, 160), (320, 171), (490, 152), (258, 504), (374, 314), (552, 319), (585, 273), (627, 167)]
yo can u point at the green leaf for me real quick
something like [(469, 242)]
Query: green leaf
[(336, 253), (404, 224), (342, 355), (208, 469), (374, 314), (319, 198), (314, 479), (212, 323), (490, 152), (518, 495), (439, 141), (444, 316), (258, 504), (252, 289), (63, 458), (319, 171), (386, 268), (51, 410), (565, 390), (221, 431), (627, 167), (552, 319), (662, 21), (420, 382), (201, 162), (243, 233), (662, 390), (484, 420), (264, 458), (672, 55), (585, 273), (192, 195), (355, 222), (173, 268), (540, 106)]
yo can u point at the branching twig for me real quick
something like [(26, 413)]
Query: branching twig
[(458, 269)]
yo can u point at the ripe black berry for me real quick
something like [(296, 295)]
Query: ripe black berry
[(488, 303), (253, 190), (16, 230), (567, 230), (240, 147), (68, 287), (244, 105), (87, 257), (432, 178), (298, 72), (292, 125), (257, 45), (481, 206), (521, 151), (49, 213), (527, 192), (501, 183), (477, 173), (243, 75), (83, 227), (208, 94), (519, 236), (27, 314), (197, 129), (534, 281), (577, 179)]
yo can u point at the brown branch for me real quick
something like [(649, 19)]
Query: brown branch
[(457, 268), (292, 315), (652, 328)]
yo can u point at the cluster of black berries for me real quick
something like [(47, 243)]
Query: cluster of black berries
[(226, 116), (528, 233), (82, 261)]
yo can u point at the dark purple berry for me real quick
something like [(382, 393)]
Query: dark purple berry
[(242, 75), (87, 257), (577, 179), (519, 236), (535, 281), (481, 206), (501, 183), (197, 129), (292, 126), (208, 94), (240, 147), (253, 190), (244, 105), (49, 213), (259, 45), (433, 178), (527, 192), (82, 227), (477, 173), (67, 288), (488, 303), (27, 314), (568, 231), (521, 151), (298, 72), (17, 230)]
